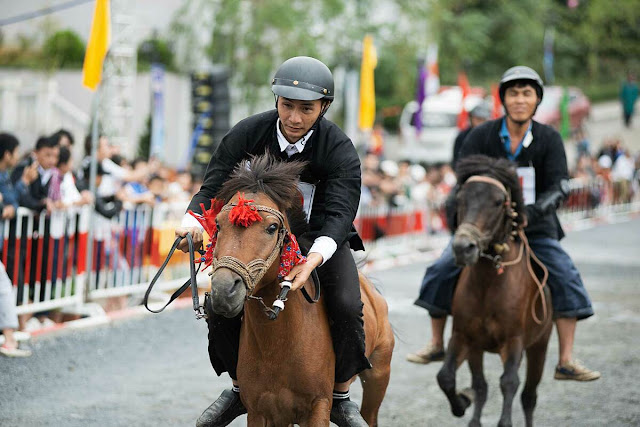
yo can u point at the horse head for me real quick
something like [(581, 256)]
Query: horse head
[(253, 231), (490, 208)]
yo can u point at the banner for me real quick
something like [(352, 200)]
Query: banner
[(463, 117), (157, 113), (97, 46), (367, 86)]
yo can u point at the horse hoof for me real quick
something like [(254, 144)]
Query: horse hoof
[(465, 397), (475, 423), (469, 394)]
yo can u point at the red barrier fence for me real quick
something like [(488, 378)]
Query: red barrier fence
[(45, 256)]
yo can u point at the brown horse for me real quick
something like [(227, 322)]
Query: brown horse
[(497, 305), (285, 367)]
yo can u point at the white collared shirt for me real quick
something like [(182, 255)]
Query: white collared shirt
[(324, 245), (288, 147)]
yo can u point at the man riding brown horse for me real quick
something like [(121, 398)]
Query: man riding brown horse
[(296, 130), (539, 153)]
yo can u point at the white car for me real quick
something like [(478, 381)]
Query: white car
[(434, 143)]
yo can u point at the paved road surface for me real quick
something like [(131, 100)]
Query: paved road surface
[(154, 371)]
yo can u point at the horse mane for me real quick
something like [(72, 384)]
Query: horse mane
[(277, 179), (501, 169)]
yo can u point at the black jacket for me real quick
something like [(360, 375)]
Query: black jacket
[(34, 197), (457, 145), (333, 166), (547, 156)]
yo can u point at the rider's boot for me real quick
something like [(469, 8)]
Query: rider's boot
[(225, 409), (345, 413)]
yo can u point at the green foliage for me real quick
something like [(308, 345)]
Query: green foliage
[(155, 50), (64, 49), (144, 143)]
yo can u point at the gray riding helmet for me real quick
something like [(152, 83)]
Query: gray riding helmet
[(482, 111), (303, 78), (521, 73)]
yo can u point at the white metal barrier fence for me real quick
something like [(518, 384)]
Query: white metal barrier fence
[(45, 255)]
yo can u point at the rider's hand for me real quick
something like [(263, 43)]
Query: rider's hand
[(300, 273), (196, 233)]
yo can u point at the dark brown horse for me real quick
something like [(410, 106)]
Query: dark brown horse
[(285, 367), (497, 305)]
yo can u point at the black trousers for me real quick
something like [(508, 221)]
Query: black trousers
[(341, 289)]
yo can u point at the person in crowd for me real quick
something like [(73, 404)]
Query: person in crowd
[(64, 138), (157, 188), (44, 160), (478, 115), (180, 190), (8, 207), (114, 175), (297, 130), (628, 97), (529, 144), (69, 193)]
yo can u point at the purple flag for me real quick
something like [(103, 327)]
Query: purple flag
[(420, 95)]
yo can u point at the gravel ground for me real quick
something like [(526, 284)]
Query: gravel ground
[(153, 370)]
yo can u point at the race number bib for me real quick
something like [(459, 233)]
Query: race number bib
[(527, 178), (308, 191)]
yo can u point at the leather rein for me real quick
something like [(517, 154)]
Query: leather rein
[(484, 239), (250, 273)]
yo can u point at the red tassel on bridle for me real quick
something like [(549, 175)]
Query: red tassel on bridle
[(208, 222), (244, 213)]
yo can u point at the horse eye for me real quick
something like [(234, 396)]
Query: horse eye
[(499, 202), (272, 228)]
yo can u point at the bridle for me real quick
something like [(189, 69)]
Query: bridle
[(509, 226), (255, 270), (511, 229)]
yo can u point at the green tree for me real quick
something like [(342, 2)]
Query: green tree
[(155, 50), (64, 49)]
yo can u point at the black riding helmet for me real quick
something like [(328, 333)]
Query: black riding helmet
[(523, 74), (303, 78)]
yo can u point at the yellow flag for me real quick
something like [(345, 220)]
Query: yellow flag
[(367, 89), (98, 45)]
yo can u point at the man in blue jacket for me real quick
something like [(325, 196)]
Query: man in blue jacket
[(538, 151)]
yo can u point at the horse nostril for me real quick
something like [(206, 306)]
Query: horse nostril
[(470, 247)]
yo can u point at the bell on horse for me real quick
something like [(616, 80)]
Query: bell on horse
[(285, 367), (498, 301)]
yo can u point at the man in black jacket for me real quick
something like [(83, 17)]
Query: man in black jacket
[(538, 151), (296, 130)]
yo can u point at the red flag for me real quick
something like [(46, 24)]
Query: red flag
[(497, 105), (463, 117)]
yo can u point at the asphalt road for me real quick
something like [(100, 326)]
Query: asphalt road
[(153, 370)]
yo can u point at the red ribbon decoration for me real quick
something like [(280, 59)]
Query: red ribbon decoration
[(208, 221), (291, 256), (244, 213)]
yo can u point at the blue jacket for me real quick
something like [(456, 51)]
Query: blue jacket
[(11, 193)]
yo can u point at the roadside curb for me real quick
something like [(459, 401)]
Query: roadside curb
[(107, 318)]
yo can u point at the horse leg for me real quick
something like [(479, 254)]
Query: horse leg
[(254, 420), (511, 355), (320, 414), (375, 382), (536, 355), (455, 355), (478, 384)]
